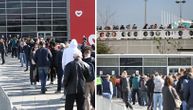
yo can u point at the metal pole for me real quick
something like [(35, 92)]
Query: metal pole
[(180, 13), (145, 19)]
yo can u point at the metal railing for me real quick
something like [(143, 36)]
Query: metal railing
[(105, 104), (5, 103), (145, 34)]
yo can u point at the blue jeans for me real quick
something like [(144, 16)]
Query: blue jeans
[(157, 101), (43, 73), (107, 95), (22, 58)]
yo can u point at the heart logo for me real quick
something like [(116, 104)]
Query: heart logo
[(78, 13)]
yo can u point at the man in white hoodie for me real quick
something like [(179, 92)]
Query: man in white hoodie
[(68, 55), (157, 95)]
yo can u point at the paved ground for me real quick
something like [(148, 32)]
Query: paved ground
[(16, 84)]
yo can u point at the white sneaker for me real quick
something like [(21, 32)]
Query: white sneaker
[(63, 97)]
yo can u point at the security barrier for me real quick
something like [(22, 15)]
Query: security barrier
[(5, 103), (145, 34), (105, 104)]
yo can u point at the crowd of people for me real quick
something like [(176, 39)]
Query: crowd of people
[(156, 91), (71, 64), (134, 26)]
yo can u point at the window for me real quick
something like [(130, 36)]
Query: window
[(131, 70), (2, 18), (59, 10), (44, 16), (131, 61), (2, 29), (29, 28), (2, 5), (59, 16), (14, 29), (152, 70), (44, 10), (44, 28), (108, 70), (44, 4), (59, 4), (59, 22), (30, 22), (13, 5), (13, 16), (107, 61), (13, 11), (29, 34), (155, 61), (29, 5), (57, 34), (13, 22), (2, 23), (44, 22), (179, 61), (29, 10), (2, 11), (59, 28), (33, 16)]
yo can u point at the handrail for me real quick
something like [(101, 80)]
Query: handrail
[(145, 34)]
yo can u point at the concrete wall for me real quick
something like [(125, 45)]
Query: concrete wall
[(148, 46)]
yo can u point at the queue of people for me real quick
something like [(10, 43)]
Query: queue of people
[(47, 60), (155, 91)]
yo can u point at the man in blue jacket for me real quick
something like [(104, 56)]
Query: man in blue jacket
[(188, 91), (43, 58)]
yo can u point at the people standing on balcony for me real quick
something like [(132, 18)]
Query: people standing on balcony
[(155, 26), (122, 27), (128, 27), (191, 26), (145, 27), (157, 95), (161, 27), (134, 26), (2, 50), (107, 87), (125, 89)]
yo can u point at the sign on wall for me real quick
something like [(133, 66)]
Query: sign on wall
[(82, 20)]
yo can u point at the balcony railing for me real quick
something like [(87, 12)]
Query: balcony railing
[(145, 34)]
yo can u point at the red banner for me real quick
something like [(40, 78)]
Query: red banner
[(82, 20)]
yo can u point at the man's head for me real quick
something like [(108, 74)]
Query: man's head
[(42, 43), (77, 55), (87, 52)]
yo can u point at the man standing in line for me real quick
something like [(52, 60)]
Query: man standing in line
[(75, 76), (43, 58), (2, 50)]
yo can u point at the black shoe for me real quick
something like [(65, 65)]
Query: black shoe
[(43, 92), (57, 92), (26, 70)]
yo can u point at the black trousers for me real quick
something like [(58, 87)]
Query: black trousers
[(3, 57), (79, 98), (134, 92), (14, 52), (125, 99)]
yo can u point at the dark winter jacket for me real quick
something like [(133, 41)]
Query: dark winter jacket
[(43, 57), (91, 62), (188, 93), (76, 73)]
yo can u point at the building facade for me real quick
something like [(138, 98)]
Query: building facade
[(147, 64), (42, 18)]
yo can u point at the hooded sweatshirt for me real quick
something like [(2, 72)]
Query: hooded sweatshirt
[(159, 83), (68, 53)]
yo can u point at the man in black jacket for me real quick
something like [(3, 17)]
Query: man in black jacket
[(43, 59), (2, 50), (76, 73)]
